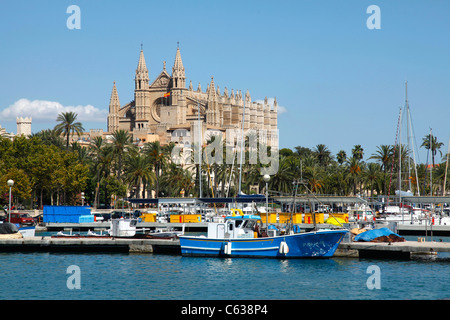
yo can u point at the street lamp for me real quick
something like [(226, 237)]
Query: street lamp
[(10, 183), (266, 178)]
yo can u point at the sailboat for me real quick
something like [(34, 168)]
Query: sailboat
[(398, 212)]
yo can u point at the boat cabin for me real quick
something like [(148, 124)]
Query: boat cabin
[(123, 227), (237, 227)]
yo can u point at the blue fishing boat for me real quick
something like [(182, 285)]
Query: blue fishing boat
[(240, 236)]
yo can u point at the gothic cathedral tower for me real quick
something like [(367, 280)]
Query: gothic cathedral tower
[(114, 106), (179, 88), (141, 94)]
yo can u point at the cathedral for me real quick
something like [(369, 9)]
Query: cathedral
[(166, 110)]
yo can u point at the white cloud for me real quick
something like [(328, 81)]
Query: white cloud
[(270, 101), (49, 110)]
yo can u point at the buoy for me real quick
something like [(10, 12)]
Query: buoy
[(227, 249), (284, 249)]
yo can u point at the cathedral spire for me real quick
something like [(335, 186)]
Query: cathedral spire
[(114, 101), (141, 79), (212, 89), (178, 64), (178, 74), (141, 64), (114, 107)]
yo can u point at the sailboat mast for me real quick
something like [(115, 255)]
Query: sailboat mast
[(408, 130), (400, 158), (431, 162), (446, 168)]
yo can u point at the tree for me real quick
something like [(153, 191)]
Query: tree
[(49, 137), (138, 171), (68, 125), (354, 167), (341, 157), (95, 152), (323, 154), (432, 143), (121, 141), (383, 155), (158, 158), (371, 176), (314, 176), (358, 152), (22, 185)]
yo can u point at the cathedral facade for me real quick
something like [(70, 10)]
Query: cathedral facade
[(166, 110)]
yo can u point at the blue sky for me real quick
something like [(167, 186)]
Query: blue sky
[(340, 83)]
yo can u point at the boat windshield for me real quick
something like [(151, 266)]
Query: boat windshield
[(250, 224), (238, 223)]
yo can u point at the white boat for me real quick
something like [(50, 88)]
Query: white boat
[(123, 228), (27, 232), (360, 212), (164, 233)]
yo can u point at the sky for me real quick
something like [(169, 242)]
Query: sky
[(337, 82)]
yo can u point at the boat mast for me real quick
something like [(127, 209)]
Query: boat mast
[(411, 140), (400, 161), (408, 134), (446, 168), (431, 162)]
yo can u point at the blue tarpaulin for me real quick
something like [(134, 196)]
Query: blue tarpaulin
[(65, 214), (373, 234)]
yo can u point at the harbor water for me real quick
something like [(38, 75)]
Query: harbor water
[(50, 276)]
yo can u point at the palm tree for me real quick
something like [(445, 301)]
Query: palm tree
[(68, 125), (358, 152), (95, 151), (121, 142), (323, 154), (341, 157), (384, 157), (176, 180), (158, 157), (354, 167), (282, 180), (138, 171), (314, 177), (435, 145), (49, 137), (371, 176)]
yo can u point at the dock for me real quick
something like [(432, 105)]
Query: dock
[(401, 229), (90, 244), (391, 250), (397, 250)]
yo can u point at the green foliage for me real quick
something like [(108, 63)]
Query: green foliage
[(46, 170)]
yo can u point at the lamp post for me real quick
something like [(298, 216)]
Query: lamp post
[(266, 178), (10, 183)]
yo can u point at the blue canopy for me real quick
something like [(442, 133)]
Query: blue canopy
[(372, 234), (245, 216)]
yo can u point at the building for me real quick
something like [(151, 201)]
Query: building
[(23, 126), (166, 110)]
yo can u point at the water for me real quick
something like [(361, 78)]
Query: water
[(171, 277)]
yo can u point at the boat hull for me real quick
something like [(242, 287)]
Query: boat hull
[(27, 231), (319, 244)]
